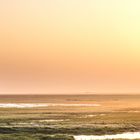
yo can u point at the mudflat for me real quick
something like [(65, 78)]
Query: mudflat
[(105, 102)]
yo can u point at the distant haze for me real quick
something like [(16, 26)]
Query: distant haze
[(69, 46)]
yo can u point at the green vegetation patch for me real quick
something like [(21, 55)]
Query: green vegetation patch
[(35, 137)]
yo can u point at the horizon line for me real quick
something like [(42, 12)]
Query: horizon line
[(76, 93)]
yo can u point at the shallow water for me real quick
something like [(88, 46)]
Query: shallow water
[(129, 135), (23, 105), (51, 120), (78, 105), (20, 105)]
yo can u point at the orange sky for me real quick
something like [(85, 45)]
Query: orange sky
[(69, 46)]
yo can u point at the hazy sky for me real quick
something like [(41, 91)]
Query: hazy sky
[(68, 46)]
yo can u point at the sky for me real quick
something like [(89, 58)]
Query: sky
[(69, 46)]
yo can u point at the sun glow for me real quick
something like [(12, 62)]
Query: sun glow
[(69, 45)]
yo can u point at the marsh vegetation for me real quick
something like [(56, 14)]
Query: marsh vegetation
[(64, 122)]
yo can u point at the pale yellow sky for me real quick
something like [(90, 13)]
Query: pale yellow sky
[(69, 46)]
